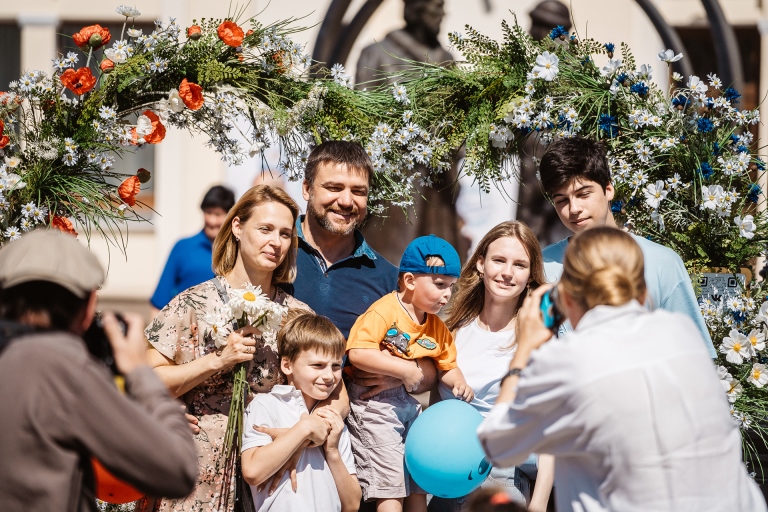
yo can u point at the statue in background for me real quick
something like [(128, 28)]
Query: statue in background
[(533, 208), (433, 211)]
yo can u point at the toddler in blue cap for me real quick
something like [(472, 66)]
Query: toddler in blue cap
[(389, 339)]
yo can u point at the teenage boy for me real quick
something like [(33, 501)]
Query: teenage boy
[(310, 349), (405, 324), (576, 177)]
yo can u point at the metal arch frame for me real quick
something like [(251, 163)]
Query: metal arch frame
[(335, 38)]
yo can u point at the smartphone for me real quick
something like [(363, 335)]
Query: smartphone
[(98, 344), (552, 316)]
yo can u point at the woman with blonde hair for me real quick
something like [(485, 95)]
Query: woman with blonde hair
[(256, 245), (504, 268), (628, 402)]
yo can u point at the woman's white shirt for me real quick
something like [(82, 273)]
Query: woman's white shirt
[(483, 357), (631, 406)]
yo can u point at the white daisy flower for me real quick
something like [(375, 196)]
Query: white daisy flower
[(655, 194), (128, 12), (546, 66), (12, 233), (736, 347), (758, 376), (756, 340)]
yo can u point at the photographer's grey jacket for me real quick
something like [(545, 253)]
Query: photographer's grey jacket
[(59, 407), (632, 409)]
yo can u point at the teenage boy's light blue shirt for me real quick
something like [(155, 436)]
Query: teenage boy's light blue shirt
[(669, 285)]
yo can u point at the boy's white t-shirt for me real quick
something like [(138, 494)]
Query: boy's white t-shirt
[(282, 408)]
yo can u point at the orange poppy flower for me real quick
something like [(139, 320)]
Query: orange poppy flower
[(107, 65), (80, 81), (3, 138), (94, 36), (231, 34), (158, 130), (128, 190), (194, 32), (191, 94), (63, 224)]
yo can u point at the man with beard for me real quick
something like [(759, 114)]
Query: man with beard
[(338, 274)]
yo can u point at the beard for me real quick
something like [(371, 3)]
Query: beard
[(321, 216)]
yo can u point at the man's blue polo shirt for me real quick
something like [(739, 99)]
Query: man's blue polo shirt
[(189, 264), (346, 289)]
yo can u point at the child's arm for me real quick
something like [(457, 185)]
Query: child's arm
[(259, 464), (374, 361), (346, 483), (455, 379)]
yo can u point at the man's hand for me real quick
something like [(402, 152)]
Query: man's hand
[(129, 349), (375, 381)]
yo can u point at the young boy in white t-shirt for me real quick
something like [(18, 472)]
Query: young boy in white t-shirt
[(310, 349)]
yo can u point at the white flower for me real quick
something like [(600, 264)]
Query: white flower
[(220, 322), (26, 224), (610, 68), (736, 347), (733, 389), (762, 315), (714, 80), (669, 56), (12, 233), (27, 209), (758, 376), (134, 32), (143, 126), (696, 85), (677, 77), (756, 340), (547, 66), (655, 194), (644, 73), (175, 102), (674, 182), (658, 218), (107, 113), (400, 94), (255, 149), (711, 196), (128, 12), (248, 300), (12, 162), (746, 226), (39, 213)]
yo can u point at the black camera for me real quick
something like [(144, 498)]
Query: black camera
[(98, 343), (552, 316)]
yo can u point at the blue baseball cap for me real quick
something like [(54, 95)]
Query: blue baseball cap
[(414, 258)]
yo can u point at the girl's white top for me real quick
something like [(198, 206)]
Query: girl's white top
[(631, 406), (483, 357)]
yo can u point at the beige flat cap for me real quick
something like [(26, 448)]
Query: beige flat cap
[(50, 255)]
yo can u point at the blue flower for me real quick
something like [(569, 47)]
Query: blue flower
[(731, 95), (573, 38), (639, 88), (739, 316), (616, 206), (608, 125), (705, 170), (609, 47), (710, 102), (557, 32), (734, 138), (680, 101), (633, 202), (716, 149), (742, 148), (760, 164), (621, 78), (525, 130), (563, 122), (586, 60), (704, 125), (754, 192)]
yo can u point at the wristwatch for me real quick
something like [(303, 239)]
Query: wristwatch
[(512, 372)]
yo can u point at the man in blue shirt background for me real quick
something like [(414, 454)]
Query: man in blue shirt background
[(189, 263)]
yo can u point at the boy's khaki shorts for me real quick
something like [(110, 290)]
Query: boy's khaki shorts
[(378, 428)]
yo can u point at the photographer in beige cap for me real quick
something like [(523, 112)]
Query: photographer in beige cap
[(59, 407)]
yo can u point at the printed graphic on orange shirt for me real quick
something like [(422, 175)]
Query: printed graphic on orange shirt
[(427, 343), (397, 340)]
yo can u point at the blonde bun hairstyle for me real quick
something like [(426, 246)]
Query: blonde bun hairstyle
[(603, 266)]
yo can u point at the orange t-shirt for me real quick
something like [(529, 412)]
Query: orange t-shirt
[(387, 324)]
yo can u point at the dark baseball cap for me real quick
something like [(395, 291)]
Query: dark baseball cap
[(414, 258), (50, 255)]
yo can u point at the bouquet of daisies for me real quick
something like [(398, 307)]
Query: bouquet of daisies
[(247, 306)]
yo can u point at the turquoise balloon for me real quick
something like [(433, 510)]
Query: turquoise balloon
[(442, 451)]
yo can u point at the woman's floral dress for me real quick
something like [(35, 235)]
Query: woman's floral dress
[(180, 333)]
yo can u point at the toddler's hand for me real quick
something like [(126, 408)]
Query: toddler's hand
[(463, 391), (336, 423)]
